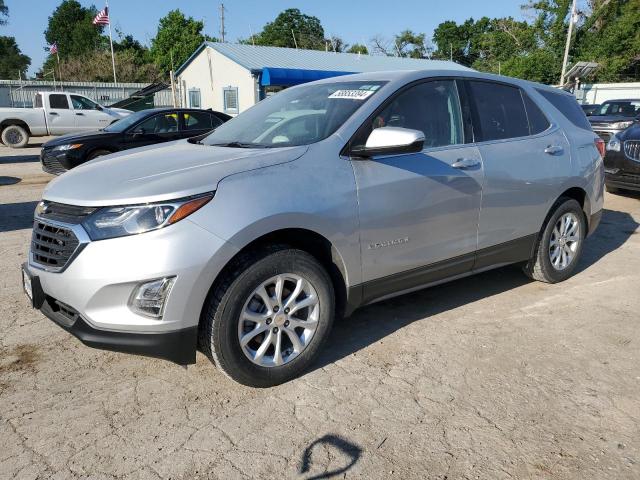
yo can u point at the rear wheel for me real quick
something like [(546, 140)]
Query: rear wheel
[(97, 153), (268, 317), (15, 136), (559, 244)]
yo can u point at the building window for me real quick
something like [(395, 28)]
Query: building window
[(230, 97), (194, 98)]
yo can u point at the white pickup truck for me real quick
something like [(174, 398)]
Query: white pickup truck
[(55, 113)]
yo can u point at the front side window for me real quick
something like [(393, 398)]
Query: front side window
[(430, 107), (296, 116), (82, 103), (163, 123), (500, 110), (57, 100)]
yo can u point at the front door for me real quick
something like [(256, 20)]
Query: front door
[(89, 115), (60, 117), (419, 212), (159, 128)]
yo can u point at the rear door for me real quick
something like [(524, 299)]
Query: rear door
[(196, 123), (159, 128), (419, 211), (60, 117), (88, 114), (526, 161)]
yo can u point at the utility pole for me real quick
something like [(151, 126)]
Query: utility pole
[(222, 30), (294, 39), (566, 49), (451, 52)]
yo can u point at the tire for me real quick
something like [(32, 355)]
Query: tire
[(97, 153), (613, 190), (15, 136), (224, 320), (541, 267)]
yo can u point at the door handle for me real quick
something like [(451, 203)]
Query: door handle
[(553, 150), (53, 113), (464, 163), (78, 113)]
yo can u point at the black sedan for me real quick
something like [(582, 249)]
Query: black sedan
[(622, 161), (142, 128)]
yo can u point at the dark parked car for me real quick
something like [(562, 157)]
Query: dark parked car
[(142, 128), (590, 109), (622, 161), (614, 117)]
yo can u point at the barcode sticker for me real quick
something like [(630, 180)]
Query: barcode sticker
[(352, 94)]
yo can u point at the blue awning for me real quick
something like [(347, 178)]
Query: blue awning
[(294, 76)]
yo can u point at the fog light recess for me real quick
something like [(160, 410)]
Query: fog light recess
[(149, 298)]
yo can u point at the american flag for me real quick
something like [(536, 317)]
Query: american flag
[(53, 49), (102, 18)]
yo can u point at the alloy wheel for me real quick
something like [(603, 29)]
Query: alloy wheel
[(565, 240)]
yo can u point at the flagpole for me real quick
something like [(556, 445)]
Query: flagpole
[(59, 71), (113, 60)]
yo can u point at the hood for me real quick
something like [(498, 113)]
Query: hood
[(610, 118), (78, 137), (631, 133), (159, 172)]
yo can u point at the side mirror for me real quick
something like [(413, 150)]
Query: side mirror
[(99, 108), (392, 141), (138, 132)]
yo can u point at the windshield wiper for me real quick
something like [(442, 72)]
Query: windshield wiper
[(238, 145)]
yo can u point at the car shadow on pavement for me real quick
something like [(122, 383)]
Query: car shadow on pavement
[(345, 448), (16, 216), (372, 323), (5, 160)]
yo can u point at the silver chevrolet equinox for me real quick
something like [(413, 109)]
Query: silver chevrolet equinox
[(247, 243)]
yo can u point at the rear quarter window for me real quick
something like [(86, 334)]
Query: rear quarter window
[(538, 122), (569, 107)]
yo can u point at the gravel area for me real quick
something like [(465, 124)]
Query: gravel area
[(488, 377)]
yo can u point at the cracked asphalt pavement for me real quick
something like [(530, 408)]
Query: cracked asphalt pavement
[(488, 377)]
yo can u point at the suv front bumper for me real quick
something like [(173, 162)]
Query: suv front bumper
[(90, 297)]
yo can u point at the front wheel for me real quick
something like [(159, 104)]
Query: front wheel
[(559, 244), (268, 317)]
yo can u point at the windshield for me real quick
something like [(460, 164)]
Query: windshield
[(121, 125), (297, 116), (624, 108)]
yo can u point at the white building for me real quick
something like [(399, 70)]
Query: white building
[(231, 77), (590, 93)]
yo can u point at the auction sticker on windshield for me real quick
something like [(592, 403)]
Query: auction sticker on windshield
[(352, 94)]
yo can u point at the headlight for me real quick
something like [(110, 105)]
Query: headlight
[(622, 125), (614, 144), (111, 222), (64, 148)]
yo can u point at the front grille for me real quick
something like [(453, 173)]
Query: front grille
[(52, 165), (52, 246), (61, 212), (632, 149)]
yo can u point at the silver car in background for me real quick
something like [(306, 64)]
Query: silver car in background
[(323, 198)]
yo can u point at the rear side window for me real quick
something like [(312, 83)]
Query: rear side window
[(200, 121), (569, 107), (500, 110), (537, 121), (58, 101)]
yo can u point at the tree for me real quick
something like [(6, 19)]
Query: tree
[(358, 48), (4, 12), (307, 30), (71, 28), (13, 63), (409, 44), (177, 38), (96, 67)]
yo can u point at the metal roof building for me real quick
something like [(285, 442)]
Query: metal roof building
[(232, 77)]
